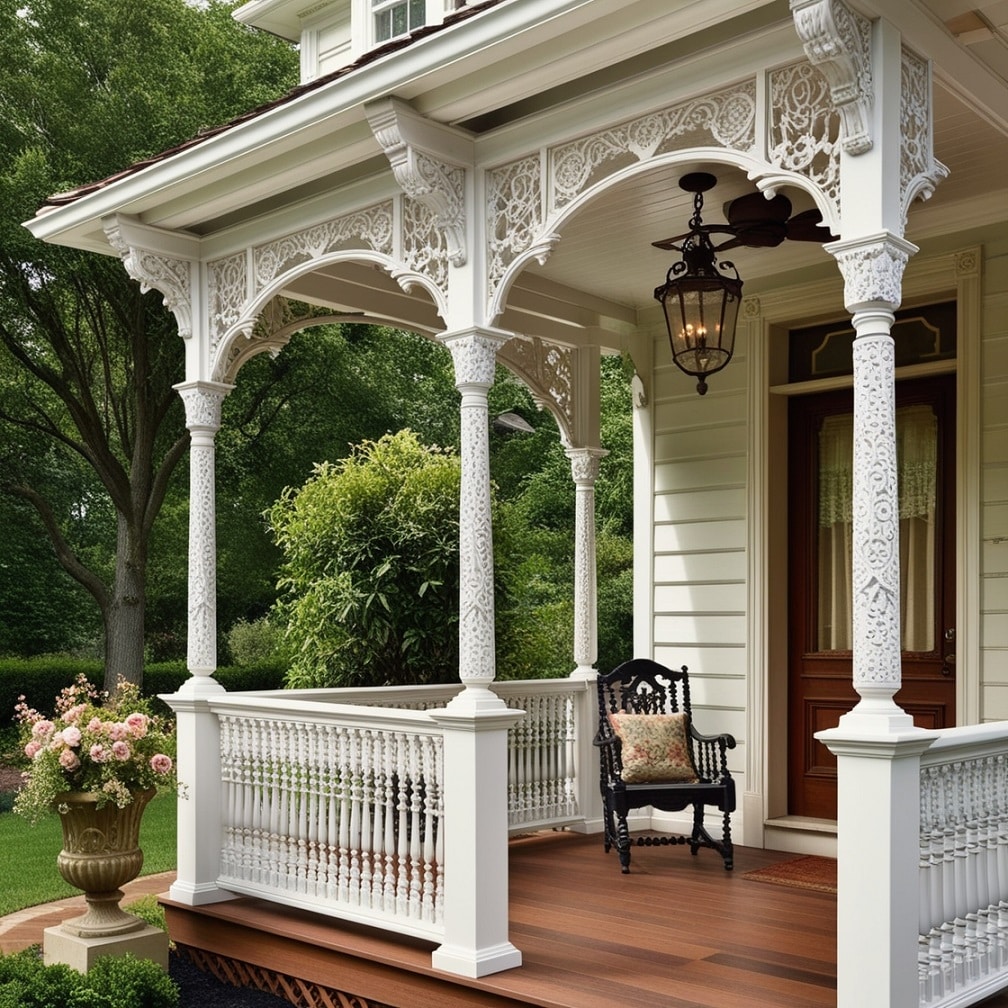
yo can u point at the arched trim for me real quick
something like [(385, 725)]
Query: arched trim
[(766, 177), (226, 351)]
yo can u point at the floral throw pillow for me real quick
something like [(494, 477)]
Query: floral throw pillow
[(654, 749)]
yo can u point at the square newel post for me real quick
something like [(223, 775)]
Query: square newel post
[(200, 814), (476, 939), (878, 885)]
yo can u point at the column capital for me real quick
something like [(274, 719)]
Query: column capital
[(585, 463), (203, 401), (872, 268), (474, 353)]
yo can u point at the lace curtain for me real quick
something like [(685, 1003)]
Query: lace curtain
[(916, 459)]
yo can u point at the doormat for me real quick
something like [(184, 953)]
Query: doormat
[(811, 872)]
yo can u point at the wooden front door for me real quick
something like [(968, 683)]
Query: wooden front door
[(820, 666)]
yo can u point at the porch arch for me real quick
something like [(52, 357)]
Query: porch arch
[(767, 178), (228, 351)]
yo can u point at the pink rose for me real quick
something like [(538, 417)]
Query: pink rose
[(73, 713), (32, 748), (68, 760), (42, 729), (116, 731), (120, 750), (72, 735), (94, 725), (160, 763), (98, 753), (137, 723)]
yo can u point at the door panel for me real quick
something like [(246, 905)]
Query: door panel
[(820, 680)]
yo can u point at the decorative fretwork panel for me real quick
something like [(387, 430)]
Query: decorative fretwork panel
[(514, 213), (919, 171), (228, 290), (424, 248), (727, 118), (548, 371), (804, 126), (369, 228)]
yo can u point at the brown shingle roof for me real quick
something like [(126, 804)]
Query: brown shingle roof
[(395, 45)]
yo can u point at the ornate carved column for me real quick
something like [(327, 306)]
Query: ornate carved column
[(585, 470), (203, 402), (873, 271), (474, 353)]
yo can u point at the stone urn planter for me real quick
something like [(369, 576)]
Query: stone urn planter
[(101, 852)]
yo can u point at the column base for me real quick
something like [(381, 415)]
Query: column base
[(59, 946), (474, 963)]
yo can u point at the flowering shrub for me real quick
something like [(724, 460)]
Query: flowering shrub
[(111, 746)]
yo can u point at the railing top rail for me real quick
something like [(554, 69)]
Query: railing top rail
[(349, 694), (280, 708), (967, 742)]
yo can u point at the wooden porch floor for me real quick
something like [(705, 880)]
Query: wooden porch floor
[(678, 932)]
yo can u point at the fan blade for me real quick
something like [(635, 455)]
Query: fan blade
[(754, 208), (757, 221), (671, 243), (808, 226)]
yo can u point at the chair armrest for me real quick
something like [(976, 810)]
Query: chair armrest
[(610, 748), (710, 754)]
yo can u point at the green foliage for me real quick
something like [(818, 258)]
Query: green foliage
[(148, 909), (39, 680), (112, 982), (256, 643), (90, 427), (370, 576)]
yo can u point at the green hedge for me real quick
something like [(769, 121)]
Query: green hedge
[(41, 679), (112, 982)]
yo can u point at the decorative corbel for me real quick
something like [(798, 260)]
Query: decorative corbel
[(429, 162), (170, 276), (838, 41)]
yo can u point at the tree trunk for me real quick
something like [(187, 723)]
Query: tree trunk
[(124, 617)]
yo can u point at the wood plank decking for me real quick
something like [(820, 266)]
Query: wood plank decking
[(678, 932)]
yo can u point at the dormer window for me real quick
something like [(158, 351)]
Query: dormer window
[(393, 18)]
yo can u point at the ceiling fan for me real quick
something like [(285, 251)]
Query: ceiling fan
[(753, 220)]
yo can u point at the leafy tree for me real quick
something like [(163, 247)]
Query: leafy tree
[(86, 361), (330, 388), (371, 578)]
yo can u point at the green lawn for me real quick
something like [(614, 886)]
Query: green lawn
[(28, 874)]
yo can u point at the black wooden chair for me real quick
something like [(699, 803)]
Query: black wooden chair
[(650, 754)]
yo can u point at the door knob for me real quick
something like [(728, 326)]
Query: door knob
[(949, 665)]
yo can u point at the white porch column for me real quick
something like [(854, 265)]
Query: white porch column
[(877, 746), (476, 722), (200, 822), (585, 470), (474, 353)]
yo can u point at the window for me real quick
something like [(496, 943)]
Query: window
[(393, 18)]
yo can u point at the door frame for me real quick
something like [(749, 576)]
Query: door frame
[(763, 326)]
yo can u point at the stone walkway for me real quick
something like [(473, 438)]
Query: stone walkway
[(25, 927)]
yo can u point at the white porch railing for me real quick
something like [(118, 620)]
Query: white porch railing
[(963, 950), (334, 809), (543, 759), (340, 802), (922, 845)]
